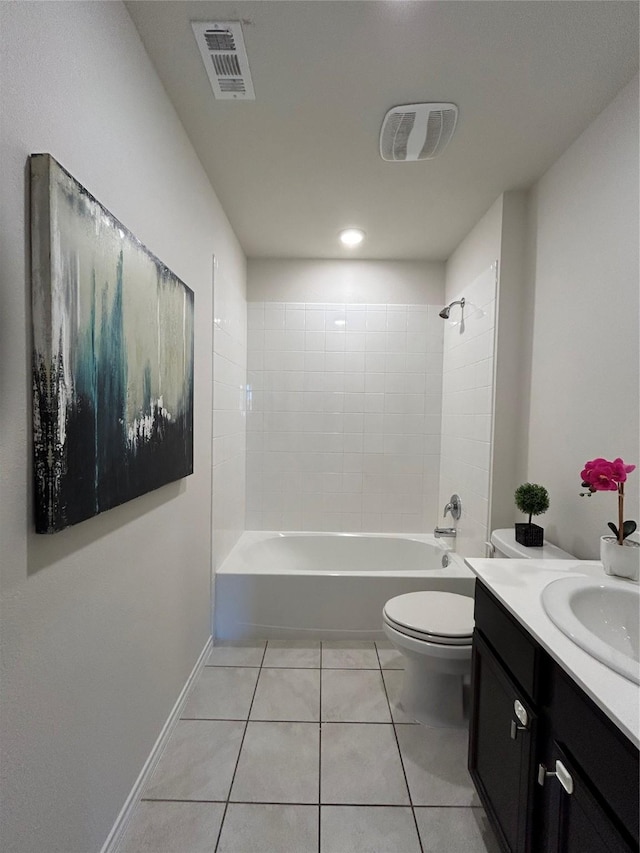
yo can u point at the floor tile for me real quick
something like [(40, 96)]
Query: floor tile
[(349, 654), (435, 761), (173, 828), (258, 828), (361, 765), (237, 653), (221, 693), (368, 829), (456, 831), (198, 761), (287, 694), (390, 658), (278, 764), (354, 696), (296, 653), (393, 683)]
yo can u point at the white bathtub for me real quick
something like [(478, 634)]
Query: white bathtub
[(326, 585)]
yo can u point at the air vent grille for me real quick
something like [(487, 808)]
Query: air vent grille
[(417, 131), (225, 59)]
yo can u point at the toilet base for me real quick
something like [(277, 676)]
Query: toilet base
[(432, 698)]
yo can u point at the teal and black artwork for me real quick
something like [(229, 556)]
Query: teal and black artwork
[(112, 357)]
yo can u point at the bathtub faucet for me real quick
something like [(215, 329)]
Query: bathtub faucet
[(445, 532)]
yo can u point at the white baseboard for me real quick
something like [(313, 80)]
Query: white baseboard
[(119, 827)]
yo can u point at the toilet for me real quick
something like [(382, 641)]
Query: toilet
[(434, 630), (505, 545)]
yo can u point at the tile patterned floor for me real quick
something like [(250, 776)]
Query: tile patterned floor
[(300, 747)]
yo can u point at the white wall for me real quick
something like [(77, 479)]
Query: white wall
[(583, 300), (386, 282), (102, 623)]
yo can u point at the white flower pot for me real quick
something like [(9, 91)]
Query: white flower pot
[(623, 561)]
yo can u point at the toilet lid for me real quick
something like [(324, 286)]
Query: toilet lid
[(441, 614)]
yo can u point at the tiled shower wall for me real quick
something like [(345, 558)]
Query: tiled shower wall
[(467, 402), (229, 422), (343, 416)]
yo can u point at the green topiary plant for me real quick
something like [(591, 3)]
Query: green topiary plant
[(531, 499)]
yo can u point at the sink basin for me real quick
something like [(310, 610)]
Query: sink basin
[(600, 616)]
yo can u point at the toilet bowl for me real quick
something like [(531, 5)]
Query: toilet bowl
[(433, 632)]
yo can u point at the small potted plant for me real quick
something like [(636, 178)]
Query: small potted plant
[(531, 499), (619, 555)]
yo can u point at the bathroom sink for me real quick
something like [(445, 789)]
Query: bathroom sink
[(601, 616)]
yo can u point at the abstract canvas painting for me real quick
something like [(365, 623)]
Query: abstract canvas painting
[(112, 357)]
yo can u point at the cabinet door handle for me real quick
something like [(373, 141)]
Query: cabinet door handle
[(561, 774), (515, 728), (521, 713)]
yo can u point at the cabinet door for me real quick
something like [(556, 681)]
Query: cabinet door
[(575, 821), (501, 742)]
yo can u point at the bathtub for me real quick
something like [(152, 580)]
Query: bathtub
[(326, 585)]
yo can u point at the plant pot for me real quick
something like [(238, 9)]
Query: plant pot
[(623, 561), (530, 535)]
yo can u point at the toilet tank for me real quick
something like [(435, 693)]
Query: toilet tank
[(504, 542)]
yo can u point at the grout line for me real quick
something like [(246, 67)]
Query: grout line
[(404, 772), (320, 758), (244, 733), (291, 803)]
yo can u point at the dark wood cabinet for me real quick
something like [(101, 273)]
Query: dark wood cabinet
[(501, 749), (552, 771)]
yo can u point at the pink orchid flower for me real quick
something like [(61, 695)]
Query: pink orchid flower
[(600, 475)]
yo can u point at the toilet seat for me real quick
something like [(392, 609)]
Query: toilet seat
[(440, 618)]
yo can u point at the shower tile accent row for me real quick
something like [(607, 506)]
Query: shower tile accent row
[(467, 405), (343, 416)]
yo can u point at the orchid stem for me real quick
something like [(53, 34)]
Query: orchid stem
[(620, 513)]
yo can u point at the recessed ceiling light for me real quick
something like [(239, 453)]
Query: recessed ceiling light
[(352, 237)]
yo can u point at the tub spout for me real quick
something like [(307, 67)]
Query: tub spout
[(445, 532)]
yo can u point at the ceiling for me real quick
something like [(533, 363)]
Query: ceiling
[(301, 162)]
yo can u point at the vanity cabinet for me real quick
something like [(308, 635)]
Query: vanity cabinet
[(553, 773)]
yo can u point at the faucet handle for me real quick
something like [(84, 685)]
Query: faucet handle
[(454, 507)]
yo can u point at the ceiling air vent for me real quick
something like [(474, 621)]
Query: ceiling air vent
[(417, 131), (225, 59)]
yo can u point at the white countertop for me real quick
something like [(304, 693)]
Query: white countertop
[(518, 584)]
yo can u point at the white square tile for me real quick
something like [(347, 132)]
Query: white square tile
[(354, 696), (376, 320), (293, 653), (314, 320), (435, 761), (273, 316), (261, 828), (278, 764), (368, 829), (287, 695), (349, 654), (166, 827), (294, 318), (361, 765), (221, 693), (456, 830), (198, 761), (314, 341)]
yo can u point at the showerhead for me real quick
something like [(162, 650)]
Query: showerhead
[(447, 309)]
